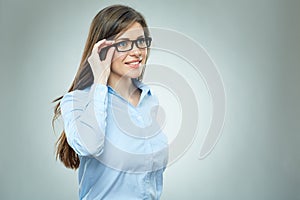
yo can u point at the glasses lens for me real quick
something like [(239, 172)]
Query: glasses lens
[(124, 45), (141, 43), (148, 41)]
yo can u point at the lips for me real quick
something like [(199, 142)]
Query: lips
[(133, 63)]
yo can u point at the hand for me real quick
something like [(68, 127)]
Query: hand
[(101, 69)]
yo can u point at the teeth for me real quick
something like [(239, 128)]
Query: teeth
[(134, 63)]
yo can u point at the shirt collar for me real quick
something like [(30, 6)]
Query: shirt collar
[(146, 90)]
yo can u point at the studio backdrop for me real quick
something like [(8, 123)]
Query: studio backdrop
[(226, 74)]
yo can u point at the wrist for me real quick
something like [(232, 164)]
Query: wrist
[(101, 79)]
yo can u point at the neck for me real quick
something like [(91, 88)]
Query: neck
[(123, 85)]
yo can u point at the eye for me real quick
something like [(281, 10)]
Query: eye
[(141, 42), (122, 44)]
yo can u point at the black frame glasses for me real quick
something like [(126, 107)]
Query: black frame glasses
[(127, 45)]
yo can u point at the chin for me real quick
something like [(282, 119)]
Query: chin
[(132, 74)]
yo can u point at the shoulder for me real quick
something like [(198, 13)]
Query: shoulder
[(76, 96)]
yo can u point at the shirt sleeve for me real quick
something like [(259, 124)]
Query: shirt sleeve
[(84, 116)]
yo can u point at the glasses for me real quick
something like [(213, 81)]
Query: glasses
[(127, 45)]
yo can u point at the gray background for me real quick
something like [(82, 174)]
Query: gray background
[(256, 46)]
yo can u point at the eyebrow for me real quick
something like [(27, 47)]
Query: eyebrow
[(129, 38)]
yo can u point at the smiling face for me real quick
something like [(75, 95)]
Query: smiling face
[(129, 64)]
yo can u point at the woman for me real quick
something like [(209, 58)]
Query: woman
[(110, 128)]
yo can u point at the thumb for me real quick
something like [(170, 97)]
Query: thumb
[(110, 54)]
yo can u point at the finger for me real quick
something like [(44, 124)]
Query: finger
[(110, 54), (97, 45), (105, 44)]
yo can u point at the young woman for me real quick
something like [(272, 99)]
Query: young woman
[(110, 128)]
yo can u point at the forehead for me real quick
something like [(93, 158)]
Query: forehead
[(133, 32)]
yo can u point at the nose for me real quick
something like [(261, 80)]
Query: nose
[(135, 51)]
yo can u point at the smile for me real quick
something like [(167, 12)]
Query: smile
[(134, 63)]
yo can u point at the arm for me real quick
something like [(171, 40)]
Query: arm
[(84, 116), (84, 112)]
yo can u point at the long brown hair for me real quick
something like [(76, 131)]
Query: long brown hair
[(106, 24)]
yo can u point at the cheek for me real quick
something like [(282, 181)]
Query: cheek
[(144, 54), (118, 57)]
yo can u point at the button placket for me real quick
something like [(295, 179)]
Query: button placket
[(139, 116)]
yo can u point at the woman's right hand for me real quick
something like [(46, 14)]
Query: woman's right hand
[(101, 69)]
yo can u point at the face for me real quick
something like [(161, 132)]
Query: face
[(129, 64)]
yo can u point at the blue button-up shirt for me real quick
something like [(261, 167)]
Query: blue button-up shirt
[(122, 150)]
